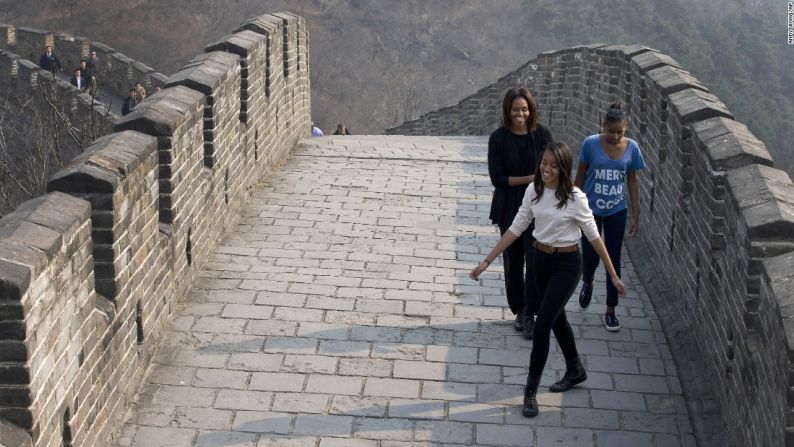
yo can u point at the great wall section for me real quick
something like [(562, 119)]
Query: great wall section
[(93, 272), (717, 217)]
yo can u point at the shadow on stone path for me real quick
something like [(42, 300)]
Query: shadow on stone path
[(338, 312)]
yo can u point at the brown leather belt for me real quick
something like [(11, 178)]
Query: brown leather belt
[(551, 250)]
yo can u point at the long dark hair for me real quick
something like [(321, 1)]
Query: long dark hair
[(507, 104), (564, 159)]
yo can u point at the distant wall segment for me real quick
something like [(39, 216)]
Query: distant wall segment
[(91, 272), (716, 246)]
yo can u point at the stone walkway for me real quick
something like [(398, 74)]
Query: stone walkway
[(338, 312)]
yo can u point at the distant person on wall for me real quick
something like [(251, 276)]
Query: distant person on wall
[(78, 80), (49, 61), (140, 91), (561, 216), (92, 63), (130, 102), (514, 150), (316, 132), (88, 76), (608, 163), (341, 130)]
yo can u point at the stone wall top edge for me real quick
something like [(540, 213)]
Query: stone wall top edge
[(161, 114), (206, 72), (730, 144), (693, 105), (30, 29), (778, 273), (765, 198), (240, 43), (32, 235)]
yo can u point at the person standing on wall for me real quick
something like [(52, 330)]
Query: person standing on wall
[(608, 163), (561, 216), (513, 151)]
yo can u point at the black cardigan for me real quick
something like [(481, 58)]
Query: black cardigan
[(511, 155)]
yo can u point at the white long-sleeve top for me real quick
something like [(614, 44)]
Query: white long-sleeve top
[(555, 227)]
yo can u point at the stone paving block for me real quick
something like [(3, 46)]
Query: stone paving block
[(256, 362), (235, 343), (163, 437), (309, 364), (504, 357), (500, 394), (444, 431), (378, 305), (612, 364), (219, 378), (506, 435), (614, 438), (391, 387), (286, 441), (476, 412), (183, 396), (321, 383), (323, 425), (321, 302), (405, 369), (336, 442), (291, 345), (375, 333), (650, 422), (271, 327), (449, 391), (450, 354), (398, 351), (658, 403), (265, 381), (256, 312), (377, 428), (171, 375), (641, 384), (416, 409), (155, 416), (574, 437), (280, 299), (262, 422), (359, 318), (344, 348), (547, 416), (206, 418), (231, 296), (200, 358), (590, 418), (365, 367), (298, 314), (243, 400), (300, 402), (615, 400), (576, 397), (474, 373), (225, 438), (359, 406)]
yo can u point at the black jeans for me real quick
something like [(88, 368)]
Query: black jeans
[(519, 281), (556, 277), (613, 228)]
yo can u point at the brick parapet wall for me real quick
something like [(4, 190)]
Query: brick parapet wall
[(717, 225), (155, 196)]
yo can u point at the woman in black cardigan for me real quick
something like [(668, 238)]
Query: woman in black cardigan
[(513, 152)]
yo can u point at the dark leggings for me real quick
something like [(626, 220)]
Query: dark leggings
[(613, 228), (519, 282), (556, 277)]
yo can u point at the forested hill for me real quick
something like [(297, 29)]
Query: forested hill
[(376, 63)]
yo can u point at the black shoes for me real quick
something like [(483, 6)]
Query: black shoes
[(530, 408), (529, 327), (518, 325), (571, 378), (585, 295)]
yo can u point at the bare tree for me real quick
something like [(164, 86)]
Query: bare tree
[(39, 134)]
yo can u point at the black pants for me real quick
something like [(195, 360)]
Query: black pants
[(613, 228), (556, 277), (519, 280)]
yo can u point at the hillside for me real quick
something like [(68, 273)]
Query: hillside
[(376, 63)]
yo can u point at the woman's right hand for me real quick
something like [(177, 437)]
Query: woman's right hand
[(477, 271), (618, 283)]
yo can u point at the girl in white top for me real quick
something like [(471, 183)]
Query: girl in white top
[(561, 214)]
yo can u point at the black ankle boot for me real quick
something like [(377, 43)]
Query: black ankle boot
[(571, 378), (530, 408)]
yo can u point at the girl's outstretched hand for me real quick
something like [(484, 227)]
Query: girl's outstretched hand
[(618, 283), (477, 271)]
